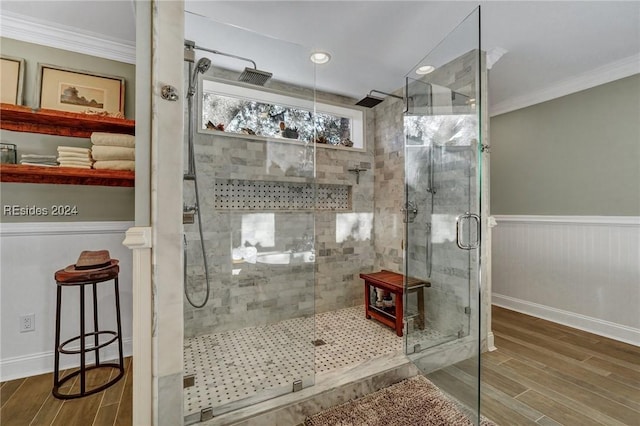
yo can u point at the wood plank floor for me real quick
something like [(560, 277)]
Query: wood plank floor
[(29, 401), (544, 373)]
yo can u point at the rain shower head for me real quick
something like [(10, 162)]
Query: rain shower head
[(249, 75), (255, 76), (370, 101)]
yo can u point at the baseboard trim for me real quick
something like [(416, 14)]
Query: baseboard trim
[(491, 342), (41, 363), (597, 326)]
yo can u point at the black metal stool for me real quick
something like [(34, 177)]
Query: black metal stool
[(72, 277)]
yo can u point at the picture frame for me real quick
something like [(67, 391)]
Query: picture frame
[(85, 92), (12, 71)]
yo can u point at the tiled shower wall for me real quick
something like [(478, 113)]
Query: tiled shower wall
[(245, 294), (389, 185), (448, 295), (368, 237), (454, 159)]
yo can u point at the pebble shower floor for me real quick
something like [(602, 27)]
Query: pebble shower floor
[(234, 365)]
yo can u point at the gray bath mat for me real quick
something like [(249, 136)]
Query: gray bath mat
[(412, 402)]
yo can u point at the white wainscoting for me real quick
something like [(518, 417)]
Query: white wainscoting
[(30, 253), (580, 271)]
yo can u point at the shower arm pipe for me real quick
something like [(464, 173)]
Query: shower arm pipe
[(217, 52), (387, 94)]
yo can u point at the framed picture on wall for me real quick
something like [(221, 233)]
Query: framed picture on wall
[(65, 89), (11, 79)]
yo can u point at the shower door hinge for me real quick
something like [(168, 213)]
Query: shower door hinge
[(297, 385), (467, 310), (486, 148), (206, 414)]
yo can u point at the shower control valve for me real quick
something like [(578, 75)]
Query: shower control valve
[(410, 212)]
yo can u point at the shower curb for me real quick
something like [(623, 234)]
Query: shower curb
[(336, 388)]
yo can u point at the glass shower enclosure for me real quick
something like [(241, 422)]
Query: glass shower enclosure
[(443, 151), (252, 340)]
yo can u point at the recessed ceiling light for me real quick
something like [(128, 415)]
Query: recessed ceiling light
[(425, 69), (320, 57)]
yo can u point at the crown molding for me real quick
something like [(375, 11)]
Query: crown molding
[(24, 28), (601, 75)]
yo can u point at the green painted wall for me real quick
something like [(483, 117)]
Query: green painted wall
[(35, 53), (575, 155), (94, 203)]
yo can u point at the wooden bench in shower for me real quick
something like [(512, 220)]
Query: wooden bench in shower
[(393, 282)]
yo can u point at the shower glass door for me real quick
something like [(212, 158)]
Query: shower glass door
[(255, 162), (442, 126)]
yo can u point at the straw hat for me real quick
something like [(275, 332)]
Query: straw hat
[(91, 261)]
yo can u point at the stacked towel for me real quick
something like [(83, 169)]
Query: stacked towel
[(69, 156), (38, 160), (113, 151)]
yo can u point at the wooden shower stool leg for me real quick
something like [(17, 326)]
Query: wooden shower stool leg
[(394, 283)]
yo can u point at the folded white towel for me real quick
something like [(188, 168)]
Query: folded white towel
[(113, 139), (46, 164), (112, 153), (76, 155), (37, 157), (115, 165), (73, 149), (74, 166), (75, 162)]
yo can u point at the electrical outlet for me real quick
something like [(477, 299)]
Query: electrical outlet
[(27, 323)]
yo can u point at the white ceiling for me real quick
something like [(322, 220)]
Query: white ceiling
[(375, 43)]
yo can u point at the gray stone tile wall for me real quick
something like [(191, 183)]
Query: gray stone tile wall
[(389, 185), (245, 294), (455, 193)]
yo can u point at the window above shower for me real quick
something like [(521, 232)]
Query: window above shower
[(266, 114)]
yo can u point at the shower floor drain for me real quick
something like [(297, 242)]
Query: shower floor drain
[(318, 342)]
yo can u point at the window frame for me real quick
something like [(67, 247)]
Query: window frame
[(242, 91)]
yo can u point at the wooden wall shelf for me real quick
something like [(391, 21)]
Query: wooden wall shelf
[(65, 175), (51, 122)]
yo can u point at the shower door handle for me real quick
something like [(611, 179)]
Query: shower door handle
[(459, 220)]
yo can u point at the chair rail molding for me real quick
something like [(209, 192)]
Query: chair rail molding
[(138, 237), (562, 220)]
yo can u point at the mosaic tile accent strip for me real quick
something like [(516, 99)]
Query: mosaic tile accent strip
[(264, 195)]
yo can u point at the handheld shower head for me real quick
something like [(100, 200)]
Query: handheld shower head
[(202, 66)]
